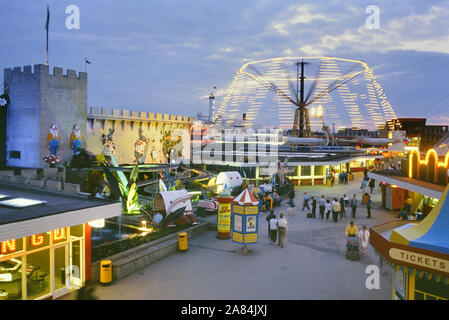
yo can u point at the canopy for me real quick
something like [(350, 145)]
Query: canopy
[(231, 178), (246, 198), (170, 201), (429, 234)]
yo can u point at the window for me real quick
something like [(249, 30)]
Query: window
[(14, 154), (38, 274), (11, 279), (306, 171), (319, 171)]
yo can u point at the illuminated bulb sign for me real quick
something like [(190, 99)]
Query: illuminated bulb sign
[(35, 240)]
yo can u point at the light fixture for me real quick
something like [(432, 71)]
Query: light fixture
[(97, 223)]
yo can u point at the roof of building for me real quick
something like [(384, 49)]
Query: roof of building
[(55, 203), (442, 146), (52, 210)]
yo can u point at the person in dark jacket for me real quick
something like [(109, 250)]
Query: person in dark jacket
[(268, 218), (371, 185), (313, 207)]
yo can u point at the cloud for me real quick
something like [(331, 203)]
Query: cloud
[(298, 14)]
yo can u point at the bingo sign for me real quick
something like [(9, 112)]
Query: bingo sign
[(224, 217), (245, 212)]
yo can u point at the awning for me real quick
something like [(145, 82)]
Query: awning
[(431, 233)]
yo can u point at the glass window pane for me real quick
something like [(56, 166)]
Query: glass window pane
[(38, 274), (60, 268), (11, 279), (306, 171), (77, 231), (319, 171)]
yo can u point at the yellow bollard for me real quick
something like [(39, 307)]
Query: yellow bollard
[(182, 242), (105, 272)]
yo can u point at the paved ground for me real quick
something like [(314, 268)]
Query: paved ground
[(312, 264)]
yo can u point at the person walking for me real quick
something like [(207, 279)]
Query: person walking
[(268, 218), (368, 207), (364, 239), (291, 195), (313, 207), (371, 185), (345, 197), (306, 201), (273, 228), (363, 186), (322, 205), (353, 203), (336, 208), (282, 229), (328, 208), (343, 208)]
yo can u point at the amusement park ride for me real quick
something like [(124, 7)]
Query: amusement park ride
[(364, 107)]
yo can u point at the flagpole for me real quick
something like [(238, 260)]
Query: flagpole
[(47, 27)]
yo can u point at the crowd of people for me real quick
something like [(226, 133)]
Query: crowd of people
[(334, 208)]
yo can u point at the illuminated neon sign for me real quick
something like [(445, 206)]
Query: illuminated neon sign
[(35, 241), (8, 246)]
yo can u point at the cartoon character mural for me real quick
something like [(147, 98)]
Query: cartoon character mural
[(53, 144), (76, 140), (109, 147), (139, 148)]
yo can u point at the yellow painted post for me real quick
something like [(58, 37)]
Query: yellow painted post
[(411, 285)]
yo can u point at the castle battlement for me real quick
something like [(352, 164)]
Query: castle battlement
[(125, 114), (42, 69)]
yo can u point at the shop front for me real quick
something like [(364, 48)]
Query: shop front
[(46, 265), (45, 242)]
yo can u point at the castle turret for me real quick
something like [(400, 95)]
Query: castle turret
[(38, 99)]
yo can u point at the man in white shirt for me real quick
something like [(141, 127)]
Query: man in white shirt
[(273, 229), (282, 229), (322, 205), (364, 239)]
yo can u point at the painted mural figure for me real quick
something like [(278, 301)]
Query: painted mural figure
[(139, 148), (153, 152), (76, 140), (109, 147), (53, 144)]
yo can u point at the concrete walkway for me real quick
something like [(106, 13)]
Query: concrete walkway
[(312, 264)]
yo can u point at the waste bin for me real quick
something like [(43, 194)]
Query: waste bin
[(182, 242), (105, 272), (329, 182), (350, 176)]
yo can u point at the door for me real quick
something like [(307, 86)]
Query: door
[(76, 262)]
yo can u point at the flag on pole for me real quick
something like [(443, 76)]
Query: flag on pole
[(47, 25), (87, 61)]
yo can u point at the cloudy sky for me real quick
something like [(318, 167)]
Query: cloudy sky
[(165, 56)]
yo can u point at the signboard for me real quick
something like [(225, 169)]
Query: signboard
[(224, 220), (245, 224), (421, 260)]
